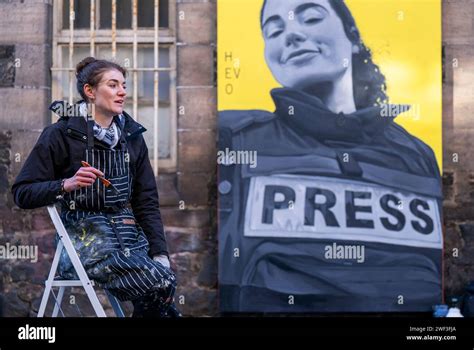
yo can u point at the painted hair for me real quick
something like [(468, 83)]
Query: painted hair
[(369, 84)]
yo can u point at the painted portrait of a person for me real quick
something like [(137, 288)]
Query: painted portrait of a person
[(342, 210)]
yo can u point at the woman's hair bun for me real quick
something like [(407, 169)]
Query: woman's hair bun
[(81, 65)]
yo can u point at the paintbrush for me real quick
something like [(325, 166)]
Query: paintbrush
[(106, 182)]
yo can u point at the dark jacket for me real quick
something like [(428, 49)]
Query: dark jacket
[(58, 154), (303, 150)]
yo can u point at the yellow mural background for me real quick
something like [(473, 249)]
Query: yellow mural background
[(405, 39)]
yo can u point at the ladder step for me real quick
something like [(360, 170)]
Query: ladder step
[(83, 281), (68, 283)]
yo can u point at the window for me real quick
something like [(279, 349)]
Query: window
[(107, 29), (145, 14)]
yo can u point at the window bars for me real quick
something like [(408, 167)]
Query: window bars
[(161, 136)]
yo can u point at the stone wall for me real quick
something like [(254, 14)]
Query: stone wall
[(186, 196), (458, 144), (196, 246), (25, 59)]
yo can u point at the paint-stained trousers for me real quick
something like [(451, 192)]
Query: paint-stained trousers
[(115, 256), (147, 283)]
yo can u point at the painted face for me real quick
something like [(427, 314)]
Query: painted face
[(110, 93), (305, 42)]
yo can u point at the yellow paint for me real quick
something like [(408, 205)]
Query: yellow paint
[(90, 239), (404, 36), (84, 233)]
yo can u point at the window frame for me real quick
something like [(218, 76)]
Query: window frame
[(145, 36)]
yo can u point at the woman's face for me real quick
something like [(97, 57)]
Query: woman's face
[(305, 42), (110, 92)]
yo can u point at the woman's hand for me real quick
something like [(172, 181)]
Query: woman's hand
[(84, 177), (162, 259)]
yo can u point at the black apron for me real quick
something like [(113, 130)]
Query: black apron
[(110, 243)]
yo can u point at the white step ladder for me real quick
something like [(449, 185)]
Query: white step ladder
[(83, 281)]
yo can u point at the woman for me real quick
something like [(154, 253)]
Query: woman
[(342, 211), (116, 229)]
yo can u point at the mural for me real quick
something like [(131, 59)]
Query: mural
[(329, 155)]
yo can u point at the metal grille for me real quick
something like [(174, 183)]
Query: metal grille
[(70, 44)]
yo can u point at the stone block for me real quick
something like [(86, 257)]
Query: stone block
[(197, 151), (199, 108), (31, 22), (194, 188), (195, 65), (7, 66), (24, 109), (198, 301), (196, 22), (34, 65), (190, 218)]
